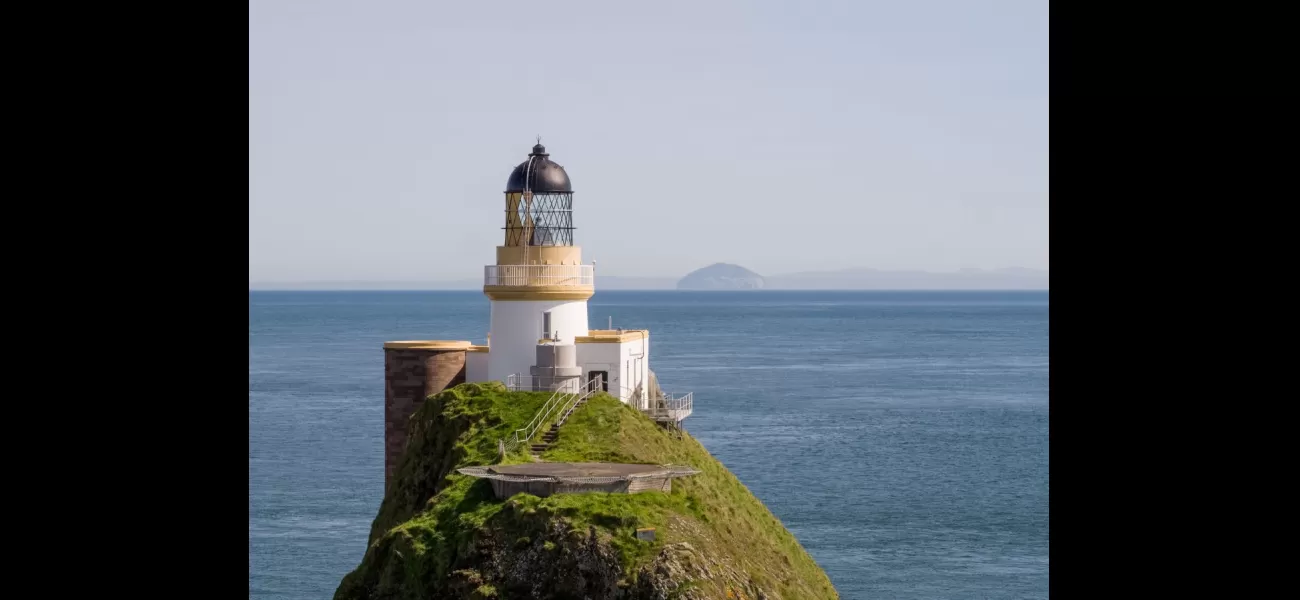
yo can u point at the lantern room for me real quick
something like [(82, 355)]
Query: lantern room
[(539, 203)]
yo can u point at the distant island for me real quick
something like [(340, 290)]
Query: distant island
[(723, 276)]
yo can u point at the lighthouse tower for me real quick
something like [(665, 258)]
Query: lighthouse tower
[(538, 338), (538, 286)]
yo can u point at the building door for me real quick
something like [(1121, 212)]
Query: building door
[(604, 379)]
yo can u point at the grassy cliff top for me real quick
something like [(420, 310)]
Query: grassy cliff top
[(442, 534)]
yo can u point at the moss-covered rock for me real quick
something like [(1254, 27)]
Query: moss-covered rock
[(440, 534)]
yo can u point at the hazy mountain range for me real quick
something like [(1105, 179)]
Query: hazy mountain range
[(846, 279)]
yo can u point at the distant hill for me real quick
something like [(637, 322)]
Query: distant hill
[(721, 276)]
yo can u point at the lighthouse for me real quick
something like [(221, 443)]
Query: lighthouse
[(539, 286), (538, 338)]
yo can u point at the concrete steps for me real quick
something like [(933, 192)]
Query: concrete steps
[(553, 433)]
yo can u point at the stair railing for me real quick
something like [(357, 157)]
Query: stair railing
[(589, 389), (562, 401)]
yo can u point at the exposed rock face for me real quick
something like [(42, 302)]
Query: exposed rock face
[(721, 276), (676, 571), (583, 565), (562, 562)]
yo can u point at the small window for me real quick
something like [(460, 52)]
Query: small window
[(546, 325)]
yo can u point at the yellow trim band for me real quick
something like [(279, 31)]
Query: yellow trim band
[(612, 336), (539, 292)]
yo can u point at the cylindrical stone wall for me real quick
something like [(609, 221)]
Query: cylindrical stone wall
[(413, 371)]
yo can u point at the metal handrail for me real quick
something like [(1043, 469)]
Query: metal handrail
[(668, 404), (592, 386), (663, 405), (520, 382), (513, 382), (562, 397), (632, 393), (527, 432), (520, 275)]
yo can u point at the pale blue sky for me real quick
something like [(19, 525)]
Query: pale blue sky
[(782, 136)]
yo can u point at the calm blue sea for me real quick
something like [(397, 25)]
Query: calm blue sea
[(901, 436)]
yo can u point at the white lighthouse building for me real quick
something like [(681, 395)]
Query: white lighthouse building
[(539, 336), (539, 286)]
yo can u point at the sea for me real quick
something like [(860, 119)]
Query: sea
[(902, 437)]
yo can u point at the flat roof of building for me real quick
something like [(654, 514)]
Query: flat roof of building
[(597, 336)]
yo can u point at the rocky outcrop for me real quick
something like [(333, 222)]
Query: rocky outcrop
[(558, 562), (442, 535)]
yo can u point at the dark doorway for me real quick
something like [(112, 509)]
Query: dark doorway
[(604, 379)]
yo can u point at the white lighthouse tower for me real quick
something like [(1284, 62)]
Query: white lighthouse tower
[(538, 338), (538, 286)]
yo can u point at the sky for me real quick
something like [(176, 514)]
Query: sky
[(782, 136)]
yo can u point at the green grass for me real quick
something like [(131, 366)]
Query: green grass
[(433, 520), (456, 428), (727, 517)]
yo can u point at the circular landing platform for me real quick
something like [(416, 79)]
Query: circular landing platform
[(547, 478), (557, 469)]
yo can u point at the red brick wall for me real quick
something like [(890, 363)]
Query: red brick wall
[(410, 376)]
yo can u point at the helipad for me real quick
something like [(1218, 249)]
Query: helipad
[(546, 478)]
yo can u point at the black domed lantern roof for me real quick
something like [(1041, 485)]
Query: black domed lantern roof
[(539, 203), (539, 175)]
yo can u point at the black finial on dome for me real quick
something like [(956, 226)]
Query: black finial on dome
[(539, 175)]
